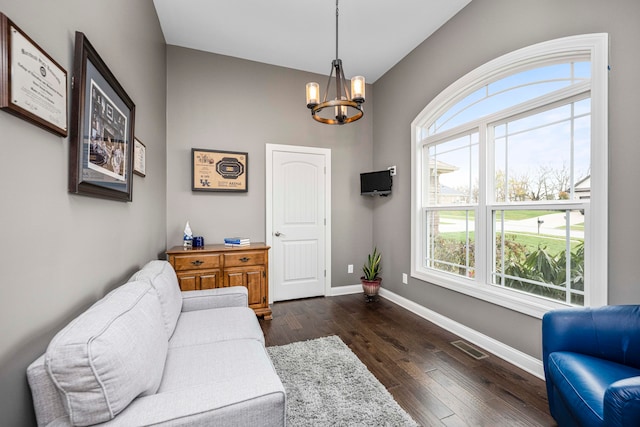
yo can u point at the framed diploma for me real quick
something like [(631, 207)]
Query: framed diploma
[(215, 170), (101, 131), (139, 158), (32, 85)]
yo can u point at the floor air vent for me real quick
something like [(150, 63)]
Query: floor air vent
[(469, 349)]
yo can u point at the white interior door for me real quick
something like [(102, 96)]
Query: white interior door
[(298, 228)]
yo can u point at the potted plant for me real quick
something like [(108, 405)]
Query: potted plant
[(371, 279)]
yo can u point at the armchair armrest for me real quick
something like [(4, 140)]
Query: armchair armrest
[(622, 403), (234, 296)]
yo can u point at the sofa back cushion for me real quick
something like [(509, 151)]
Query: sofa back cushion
[(161, 275), (109, 355)]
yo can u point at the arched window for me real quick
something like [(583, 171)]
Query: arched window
[(509, 199)]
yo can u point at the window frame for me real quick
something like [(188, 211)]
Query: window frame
[(593, 46)]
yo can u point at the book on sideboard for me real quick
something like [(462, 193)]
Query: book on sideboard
[(237, 240)]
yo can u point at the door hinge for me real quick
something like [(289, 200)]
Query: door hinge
[(325, 273), (264, 299), (264, 274)]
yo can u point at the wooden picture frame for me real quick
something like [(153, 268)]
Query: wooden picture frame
[(216, 170), (139, 158), (102, 129), (33, 86)]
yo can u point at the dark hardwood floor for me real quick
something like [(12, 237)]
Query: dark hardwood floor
[(436, 383)]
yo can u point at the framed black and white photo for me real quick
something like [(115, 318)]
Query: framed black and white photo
[(102, 129), (32, 85)]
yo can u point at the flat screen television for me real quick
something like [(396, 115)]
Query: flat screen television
[(376, 183)]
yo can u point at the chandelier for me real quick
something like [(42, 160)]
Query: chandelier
[(344, 108)]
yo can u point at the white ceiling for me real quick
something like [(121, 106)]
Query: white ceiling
[(300, 34)]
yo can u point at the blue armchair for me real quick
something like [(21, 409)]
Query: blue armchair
[(591, 360)]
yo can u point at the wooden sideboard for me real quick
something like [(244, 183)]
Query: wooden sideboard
[(218, 266)]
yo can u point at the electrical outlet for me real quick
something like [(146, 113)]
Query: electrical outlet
[(393, 170), (350, 268), (405, 279)]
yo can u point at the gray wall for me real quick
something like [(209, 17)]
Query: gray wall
[(482, 31), (225, 103), (62, 252)]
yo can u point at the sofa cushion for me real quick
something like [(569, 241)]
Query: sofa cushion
[(582, 381), (161, 275), (231, 383), (215, 325), (109, 355), (239, 362)]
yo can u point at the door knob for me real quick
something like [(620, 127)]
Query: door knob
[(278, 234)]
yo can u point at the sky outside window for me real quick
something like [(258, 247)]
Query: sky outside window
[(558, 138)]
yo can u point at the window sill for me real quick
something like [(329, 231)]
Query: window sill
[(513, 300)]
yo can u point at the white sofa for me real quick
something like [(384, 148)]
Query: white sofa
[(148, 354)]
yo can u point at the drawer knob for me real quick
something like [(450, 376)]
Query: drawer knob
[(244, 259), (197, 262)]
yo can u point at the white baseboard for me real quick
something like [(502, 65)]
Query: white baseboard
[(346, 290), (503, 351)]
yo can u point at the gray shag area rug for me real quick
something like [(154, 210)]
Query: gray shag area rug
[(327, 385)]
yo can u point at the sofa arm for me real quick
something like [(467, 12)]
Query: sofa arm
[(622, 403), (234, 296)]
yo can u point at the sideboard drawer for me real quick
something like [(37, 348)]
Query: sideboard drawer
[(239, 259), (197, 261)]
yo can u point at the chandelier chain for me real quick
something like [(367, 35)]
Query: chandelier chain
[(337, 14)]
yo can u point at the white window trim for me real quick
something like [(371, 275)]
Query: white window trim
[(596, 237)]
